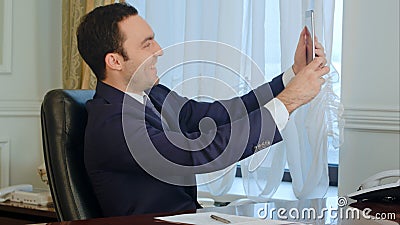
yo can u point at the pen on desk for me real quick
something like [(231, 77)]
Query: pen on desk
[(220, 219)]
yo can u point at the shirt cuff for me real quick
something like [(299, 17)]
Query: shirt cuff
[(278, 112), (287, 76)]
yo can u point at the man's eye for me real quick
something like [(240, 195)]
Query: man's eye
[(147, 45)]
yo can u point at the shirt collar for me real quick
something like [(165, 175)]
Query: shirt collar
[(138, 97)]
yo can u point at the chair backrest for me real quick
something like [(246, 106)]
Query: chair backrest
[(64, 118)]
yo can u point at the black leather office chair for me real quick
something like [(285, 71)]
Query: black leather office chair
[(64, 117)]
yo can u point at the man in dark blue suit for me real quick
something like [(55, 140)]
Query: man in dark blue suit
[(144, 143)]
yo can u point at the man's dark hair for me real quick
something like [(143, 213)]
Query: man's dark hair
[(98, 34)]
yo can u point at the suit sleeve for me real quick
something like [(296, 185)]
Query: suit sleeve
[(237, 128), (221, 112), (171, 152)]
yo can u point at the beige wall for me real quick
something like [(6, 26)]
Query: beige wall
[(370, 90), (36, 68), (1, 29)]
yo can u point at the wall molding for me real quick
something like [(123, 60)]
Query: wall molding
[(6, 46), (369, 119), (4, 162), (19, 108)]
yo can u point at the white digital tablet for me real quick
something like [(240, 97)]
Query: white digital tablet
[(310, 34)]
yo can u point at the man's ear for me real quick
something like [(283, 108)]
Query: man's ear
[(114, 61)]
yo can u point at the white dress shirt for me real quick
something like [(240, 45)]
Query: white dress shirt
[(138, 97), (277, 108)]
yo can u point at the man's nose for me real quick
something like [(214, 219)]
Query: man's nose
[(159, 51)]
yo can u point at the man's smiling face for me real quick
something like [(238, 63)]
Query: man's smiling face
[(142, 52)]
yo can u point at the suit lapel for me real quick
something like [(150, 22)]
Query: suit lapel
[(159, 99)]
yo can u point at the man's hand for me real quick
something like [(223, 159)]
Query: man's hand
[(305, 85), (300, 55)]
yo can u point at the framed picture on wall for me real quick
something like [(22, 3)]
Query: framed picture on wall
[(5, 36)]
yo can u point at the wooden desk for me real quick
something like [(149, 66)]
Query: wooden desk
[(13, 213), (253, 210)]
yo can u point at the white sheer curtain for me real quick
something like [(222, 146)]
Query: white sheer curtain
[(176, 21), (312, 129), (267, 31), (262, 172), (315, 126)]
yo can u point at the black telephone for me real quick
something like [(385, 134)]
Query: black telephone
[(374, 189)]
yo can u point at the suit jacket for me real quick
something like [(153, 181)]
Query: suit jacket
[(128, 153)]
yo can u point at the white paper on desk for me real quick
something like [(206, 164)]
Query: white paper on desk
[(205, 219)]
